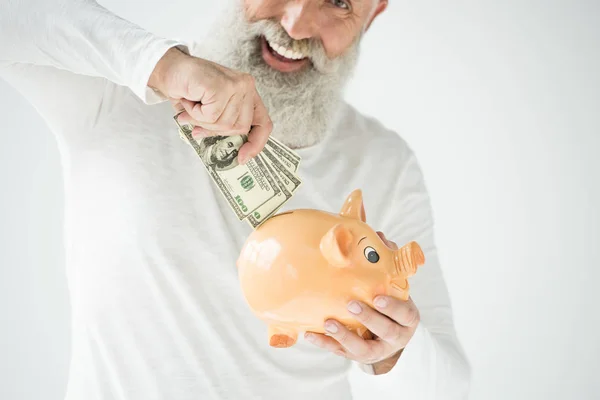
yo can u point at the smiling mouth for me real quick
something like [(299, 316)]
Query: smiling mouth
[(282, 58), (284, 53)]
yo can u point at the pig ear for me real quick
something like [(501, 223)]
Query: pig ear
[(336, 246), (353, 206)]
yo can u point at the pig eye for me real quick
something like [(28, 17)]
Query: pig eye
[(371, 255)]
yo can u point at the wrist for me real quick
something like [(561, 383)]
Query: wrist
[(385, 366), (163, 68)]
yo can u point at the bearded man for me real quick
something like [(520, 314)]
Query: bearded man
[(151, 246)]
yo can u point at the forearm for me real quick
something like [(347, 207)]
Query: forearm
[(444, 369), (385, 366), (432, 365), (82, 37)]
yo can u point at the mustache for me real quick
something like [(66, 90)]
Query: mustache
[(302, 104), (310, 47)]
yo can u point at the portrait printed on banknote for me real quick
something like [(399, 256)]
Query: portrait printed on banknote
[(220, 152)]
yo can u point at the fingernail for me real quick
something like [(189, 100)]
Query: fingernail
[(310, 337), (381, 302), (331, 327), (242, 159), (354, 307)]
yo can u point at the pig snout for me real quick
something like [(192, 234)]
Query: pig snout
[(408, 258)]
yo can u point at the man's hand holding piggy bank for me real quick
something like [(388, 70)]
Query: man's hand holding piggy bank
[(335, 278), (392, 321)]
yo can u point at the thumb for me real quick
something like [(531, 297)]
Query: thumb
[(177, 106)]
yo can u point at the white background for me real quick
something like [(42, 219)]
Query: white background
[(500, 101)]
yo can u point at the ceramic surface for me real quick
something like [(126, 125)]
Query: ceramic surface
[(303, 266)]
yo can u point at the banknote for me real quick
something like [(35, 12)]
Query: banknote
[(245, 187), (289, 179), (256, 190), (263, 212), (282, 145), (284, 156)]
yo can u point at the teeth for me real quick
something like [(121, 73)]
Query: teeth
[(281, 51), (285, 52)]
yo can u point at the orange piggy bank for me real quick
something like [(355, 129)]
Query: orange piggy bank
[(302, 267)]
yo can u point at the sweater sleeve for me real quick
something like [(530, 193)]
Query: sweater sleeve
[(433, 364), (82, 37)]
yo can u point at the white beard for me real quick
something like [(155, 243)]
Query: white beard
[(302, 105)]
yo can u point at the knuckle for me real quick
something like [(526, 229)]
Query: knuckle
[(393, 332), (240, 85), (364, 353), (412, 316), (228, 125), (241, 127), (269, 125), (316, 339), (249, 80), (366, 316), (212, 115), (244, 83), (343, 337)]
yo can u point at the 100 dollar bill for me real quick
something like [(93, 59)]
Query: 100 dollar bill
[(245, 187), (288, 158), (256, 190), (266, 210)]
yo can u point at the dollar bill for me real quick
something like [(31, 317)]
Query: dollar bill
[(256, 190), (284, 156), (245, 187), (283, 146), (266, 210), (289, 179)]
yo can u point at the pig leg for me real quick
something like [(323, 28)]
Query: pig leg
[(399, 288), (282, 337)]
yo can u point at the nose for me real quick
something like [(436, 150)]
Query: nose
[(300, 19), (408, 258)]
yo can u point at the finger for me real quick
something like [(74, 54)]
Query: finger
[(327, 343), (200, 131), (227, 120), (176, 104), (382, 326), (350, 341), (244, 122), (204, 113), (387, 242), (224, 127), (404, 313), (184, 118), (259, 134)]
